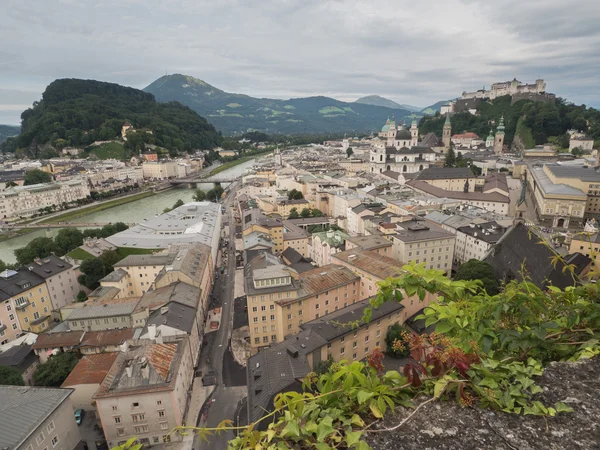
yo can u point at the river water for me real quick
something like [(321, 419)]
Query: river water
[(129, 212)]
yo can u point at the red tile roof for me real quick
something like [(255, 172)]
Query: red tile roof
[(55, 340), (467, 135), (106, 337), (91, 369)]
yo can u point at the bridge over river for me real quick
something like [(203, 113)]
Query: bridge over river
[(197, 180)]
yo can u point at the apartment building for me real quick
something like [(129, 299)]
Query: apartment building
[(284, 208), (26, 303), (325, 244), (37, 418), (106, 316), (19, 355), (280, 299), (295, 237), (284, 365), (159, 170), (587, 244), (378, 244), (458, 179), (373, 268), (86, 377), (145, 393), (48, 344), (254, 220), (474, 241), (355, 225), (25, 201), (586, 179), (60, 278)]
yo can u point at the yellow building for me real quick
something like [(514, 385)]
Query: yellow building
[(254, 220), (285, 207), (25, 295), (280, 299)]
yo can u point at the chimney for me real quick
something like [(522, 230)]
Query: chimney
[(145, 371), (152, 332), (129, 370)]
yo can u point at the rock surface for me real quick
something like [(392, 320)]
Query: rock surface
[(448, 426)]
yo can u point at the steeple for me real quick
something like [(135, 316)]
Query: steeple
[(447, 122), (500, 128), (447, 132), (499, 138)]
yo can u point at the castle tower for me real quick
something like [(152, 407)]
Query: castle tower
[(499, 139), (414, 134), (489, 142), (447, 132), (278, 160)]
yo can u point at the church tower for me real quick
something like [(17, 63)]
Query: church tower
[(277, 154), (489, 142), (447, 132), (499, 139), (414, 134)]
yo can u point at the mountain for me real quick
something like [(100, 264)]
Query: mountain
[(432, 109), (76, 112), (238, 113), (7, 131), (377, 100)]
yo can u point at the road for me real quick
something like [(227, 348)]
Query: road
[(226, 396)]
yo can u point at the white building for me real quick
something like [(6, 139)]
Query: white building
[(507, 88), (475, 240), (25, 201), (160, 170)]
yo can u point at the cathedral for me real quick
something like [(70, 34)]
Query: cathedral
[(397, 149)]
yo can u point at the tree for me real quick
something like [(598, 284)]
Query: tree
[(215, 193), (56, 370), (316, 213), (349, 152), (479, 270), (40, 247), (68, 239), (450, 158), (577, 152), (10, 376), (563, 140), (396, 341), (199, 196), (36, 176), (323, 366), (92, 271), (293, 213), (110, 258), (81, 296), (295, 195), (305, 213), (2, 265)]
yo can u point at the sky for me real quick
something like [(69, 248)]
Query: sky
[(413, 52)]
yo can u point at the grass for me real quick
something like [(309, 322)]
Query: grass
[(15, 233), (233, 105), (230, 164), (80, 254), (126, 251), (68, 216), (112, 150), (331, 109)]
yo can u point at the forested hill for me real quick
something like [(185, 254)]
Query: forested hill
[(535, 123), (7, 131), (76, 112), (238, 113)]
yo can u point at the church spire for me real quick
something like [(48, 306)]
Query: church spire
[(500, 128), (447, 122)]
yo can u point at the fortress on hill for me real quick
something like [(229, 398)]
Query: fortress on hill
[(514, 87)]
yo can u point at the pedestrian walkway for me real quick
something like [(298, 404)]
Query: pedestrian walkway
[(199, 395)]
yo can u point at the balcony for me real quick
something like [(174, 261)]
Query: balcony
[(2, 328), (38, 321), (22, 305)]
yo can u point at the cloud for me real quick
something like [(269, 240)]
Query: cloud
[(411, 52)]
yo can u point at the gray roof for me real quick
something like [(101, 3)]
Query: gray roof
[(420, 230), (23, 409), (584, 174), (105, 310), (489, 232), (115, 275), (48, 267), (14, 282), (146, 260), (176, 315), (180, 292), (443, 173), (548, 187), (15, 356)]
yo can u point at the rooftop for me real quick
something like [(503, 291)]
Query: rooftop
[(192, 222), (15, 282), (548, 187), (420, 230), (55, 340), (181, 292), (322, 279), (584, 174), (445, 173), (173, 315), (105, 337), (371, 262), (489, 232), (91, 369), (23, 409), (105, 310), (370, 242), (48, 267), (423, 186)]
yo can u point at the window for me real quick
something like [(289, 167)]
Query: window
[(257, 340), (115, 408), (367, 338), (354, 344), (289, 316), (264, 318), (39, 438), (135, 405), (343, 339), (54, 441), (142, 429), (50, 426), (265, 338), (11, 317), (159, 402), (164, 425), (120, 432), (254, 309), (255, 319), (161, 414), (342, 350), (117, 419), (155, 439), (273, 338), (138, 417)]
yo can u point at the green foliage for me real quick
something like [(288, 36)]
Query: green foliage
[(295, 195), (7, 131), (110, 258), (92, 271), (56, 370), (199, 196), (294, 214), (126, 251), (349, 152), (214, 194), (479, 270), (68, 239), (131, 444), (81, 296), (397, 333), (177, 204), (106, 230), (79, 254), (36, 176), (524, 132), (10, 376), (40, 247), (2, 265), (78, 112), (577, 151), (450, 160), (323, 366), (305, 213)]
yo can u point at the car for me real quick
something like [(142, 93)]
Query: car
[(79, 416)]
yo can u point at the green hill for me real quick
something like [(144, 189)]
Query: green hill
[(535, 122), (377, 100), (7, 131), (76, 112), (432, 109), (238, 113)]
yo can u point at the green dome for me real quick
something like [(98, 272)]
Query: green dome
[(385, 128)]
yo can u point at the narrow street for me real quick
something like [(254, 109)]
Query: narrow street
[(224, 400)]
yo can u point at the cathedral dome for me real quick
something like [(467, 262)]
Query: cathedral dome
[(403, 135), (385, 128)]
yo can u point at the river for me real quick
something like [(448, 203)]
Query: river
[(129, 212)]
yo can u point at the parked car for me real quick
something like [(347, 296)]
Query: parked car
[(79, 416)]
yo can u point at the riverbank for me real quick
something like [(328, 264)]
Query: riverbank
[(95, 207), (243, 159)]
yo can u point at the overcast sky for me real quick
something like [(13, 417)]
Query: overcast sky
[(415, 52)]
